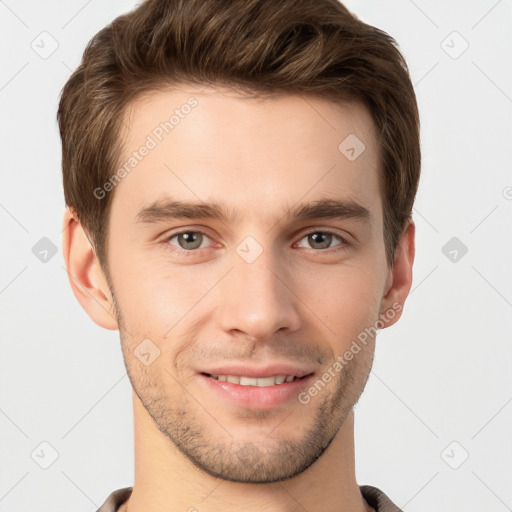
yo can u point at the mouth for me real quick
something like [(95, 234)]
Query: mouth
[(242, 380), (255, 391)]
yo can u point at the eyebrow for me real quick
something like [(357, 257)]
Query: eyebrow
[(169, 209)]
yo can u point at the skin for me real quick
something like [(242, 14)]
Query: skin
[(297, 302)]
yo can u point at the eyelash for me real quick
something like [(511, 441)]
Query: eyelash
[(343, 246)]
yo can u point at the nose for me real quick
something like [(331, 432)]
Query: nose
[(257, 298)]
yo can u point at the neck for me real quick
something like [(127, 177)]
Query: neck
[(166, 479)]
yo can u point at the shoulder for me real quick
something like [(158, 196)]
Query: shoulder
[(377, 499), (115, 500)]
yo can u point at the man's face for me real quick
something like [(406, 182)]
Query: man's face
[(258, 293)]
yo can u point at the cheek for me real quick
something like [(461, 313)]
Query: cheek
[(347, 298), (154, 295)]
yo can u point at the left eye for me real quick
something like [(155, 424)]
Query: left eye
[(322, 239)]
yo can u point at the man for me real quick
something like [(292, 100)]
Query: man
[(239, 179)]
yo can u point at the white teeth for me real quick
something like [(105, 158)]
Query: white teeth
[(255, 381), (248, 381), (264, 381)]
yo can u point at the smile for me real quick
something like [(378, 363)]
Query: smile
[(254, 381)]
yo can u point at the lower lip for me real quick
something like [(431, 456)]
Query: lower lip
[(254, 397)]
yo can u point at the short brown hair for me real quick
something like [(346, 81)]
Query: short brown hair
[(273, 47)]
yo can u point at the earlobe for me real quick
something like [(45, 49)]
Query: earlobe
[(85, 274), (399, 278)]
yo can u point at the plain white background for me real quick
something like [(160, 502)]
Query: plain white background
[(433, 426)]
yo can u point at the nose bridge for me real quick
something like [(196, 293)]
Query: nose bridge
[(256, 296)]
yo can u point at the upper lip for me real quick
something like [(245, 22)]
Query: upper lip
[(259, 371)]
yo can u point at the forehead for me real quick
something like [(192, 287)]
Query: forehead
[(256, 156)]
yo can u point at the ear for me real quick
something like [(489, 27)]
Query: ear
[(399, 279), (85, 274)]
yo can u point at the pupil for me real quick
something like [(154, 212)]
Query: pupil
[(190, 238), (326, 239)]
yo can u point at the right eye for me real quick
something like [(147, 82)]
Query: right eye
[(187, 241)]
